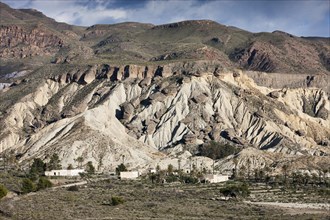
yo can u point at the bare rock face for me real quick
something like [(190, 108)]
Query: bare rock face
[(36, 42), (125, 117)]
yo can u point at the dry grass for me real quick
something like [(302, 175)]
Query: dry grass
[(142, 201)]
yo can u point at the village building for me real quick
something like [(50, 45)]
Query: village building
[(216, 178), (73, 172), (129, 175)]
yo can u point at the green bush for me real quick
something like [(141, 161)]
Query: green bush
[(3, 191), (44, 183), (217, 150), (116, 200), (28, 186), (236, 190), (73, 188), (171, 178), (189, 179)]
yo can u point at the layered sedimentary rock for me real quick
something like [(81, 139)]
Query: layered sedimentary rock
[(103, 112)]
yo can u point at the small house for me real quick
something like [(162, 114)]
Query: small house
[(216, 178), (129, 175), (73, 172)]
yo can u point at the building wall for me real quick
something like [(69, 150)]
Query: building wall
[(74, 172), (215, 178), (129, 175)]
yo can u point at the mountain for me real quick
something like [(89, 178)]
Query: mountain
[(161, 94)]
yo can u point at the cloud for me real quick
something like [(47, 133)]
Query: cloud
[(74, 12), (305, 17)]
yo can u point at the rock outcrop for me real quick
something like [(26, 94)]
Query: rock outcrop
[(19, 42), (91, 115)]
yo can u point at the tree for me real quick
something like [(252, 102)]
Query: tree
[(120, 168), (54, 163), (90, 169), (157, 168), (70, 167), (242, 172), (170, 169), (28, 186), (153, 177), (235, 161), (325, 171), (3, 191), (248, 162), (80, 160), (37, 169), (285, 169)]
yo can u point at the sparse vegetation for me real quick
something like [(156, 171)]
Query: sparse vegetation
[(101, 198), (3, 191), (236, 190), (116, 200), (43, 183), (28, 186), (73, 188), (217, 150)]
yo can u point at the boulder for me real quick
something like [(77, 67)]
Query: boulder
[(274, 94), (199, 98), (189, 138), (127, 110), (236, 73), (301, 132), (145, 82)]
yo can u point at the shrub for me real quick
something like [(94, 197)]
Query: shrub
[(70, 167), (73, 188), (171, 178), (189, 179), (28, 186), (3, 191), (116, 200), (241, 189), (44, 183), (216, 150)]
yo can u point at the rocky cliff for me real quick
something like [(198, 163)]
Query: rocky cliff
[(18, 42)]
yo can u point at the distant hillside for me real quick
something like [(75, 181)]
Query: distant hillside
[(138, 43)]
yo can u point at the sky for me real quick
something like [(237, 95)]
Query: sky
[(297, 17)]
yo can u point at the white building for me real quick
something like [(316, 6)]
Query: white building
[(129, 175), (216, 178), (74, 172)]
